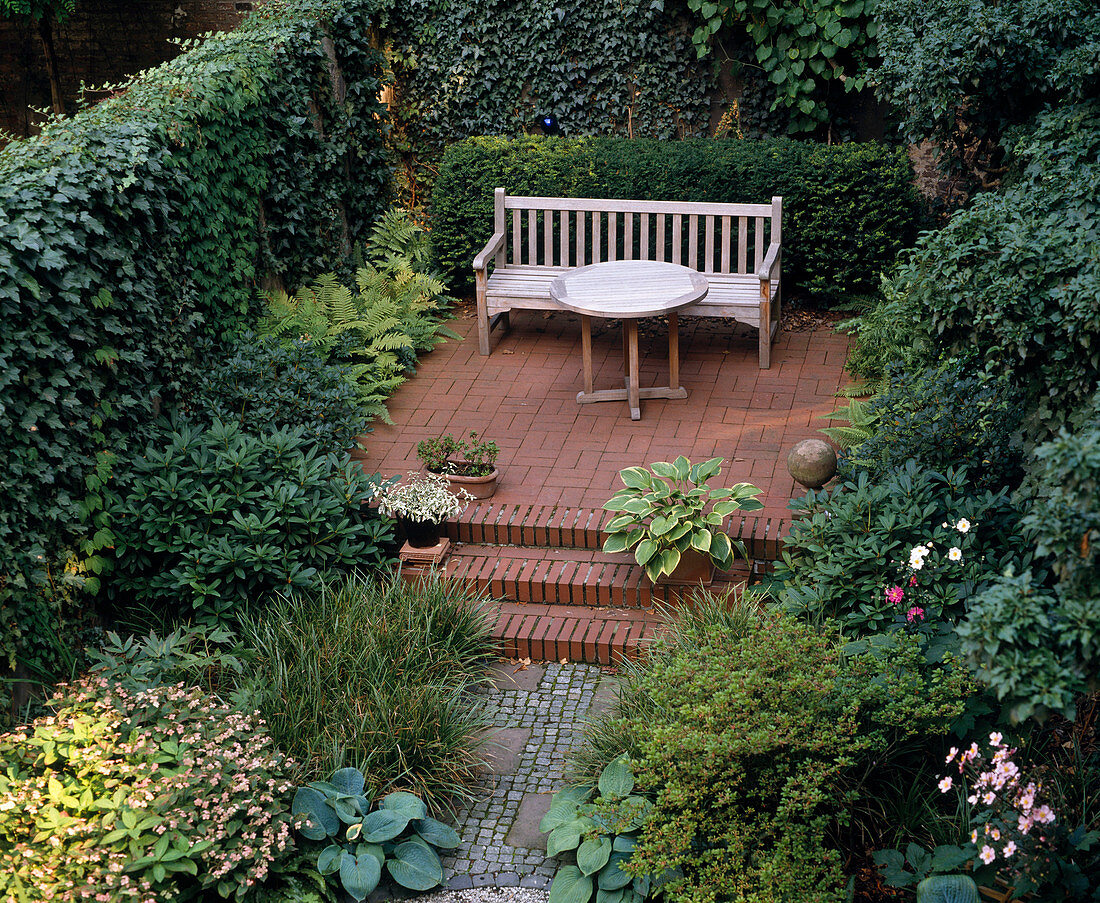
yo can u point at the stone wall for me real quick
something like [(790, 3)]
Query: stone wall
[(102, 42)]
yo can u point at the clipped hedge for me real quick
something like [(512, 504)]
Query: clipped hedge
[(848, 209), (138, 225)]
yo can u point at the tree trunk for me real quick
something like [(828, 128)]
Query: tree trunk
[(45, 32)]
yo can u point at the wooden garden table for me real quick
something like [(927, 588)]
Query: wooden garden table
[(628, 290)]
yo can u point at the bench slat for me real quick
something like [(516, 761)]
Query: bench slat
[(699, 208), (742, 245), (760, 244), (708, 263), (693, 241), (727, 241), (677, 236)]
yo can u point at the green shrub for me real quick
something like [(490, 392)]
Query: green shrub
[(376, 330), (267, 386), (376, 676), (1036, 640), (217, 519), (146, 793), (140, 225), (943, 416), (848, 545), (753, 742), (847, 209), (889, 332), (1016, 276)]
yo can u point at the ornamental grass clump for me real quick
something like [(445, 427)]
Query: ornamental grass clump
[(376, 675), (149, 795)]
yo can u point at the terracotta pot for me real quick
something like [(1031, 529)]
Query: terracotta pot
[(421, 534), (478, 487), (695, 567)]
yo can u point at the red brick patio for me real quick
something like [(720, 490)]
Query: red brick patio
[(536, 543), (554, 451)]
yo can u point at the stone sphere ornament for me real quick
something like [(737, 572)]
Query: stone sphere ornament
[(812, 462)]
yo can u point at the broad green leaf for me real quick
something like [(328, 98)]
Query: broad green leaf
[(611, 896), (414, 866), (436, 833), (383, 824), (321, 820), (665, 469), (616, 781), (611, 876), (647, 548), (570, 886), (636, 478), (348, 781), (700, 540), (593, 853), (405, 803), (359, 874), (567, 836), (616, 542), (721, 550), (329, 859), (624, 843), (683, 467)]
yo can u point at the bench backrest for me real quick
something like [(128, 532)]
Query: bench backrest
[(574, 232)]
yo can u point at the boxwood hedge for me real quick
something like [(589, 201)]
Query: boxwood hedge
[(848, 209)]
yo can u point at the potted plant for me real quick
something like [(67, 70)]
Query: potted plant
[(468, 465), (421, 504), (673, 519)]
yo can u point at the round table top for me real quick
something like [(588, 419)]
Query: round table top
[(626, 289)]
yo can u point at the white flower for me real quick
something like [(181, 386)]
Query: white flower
[(987, 854), (954, 554), (962, 525), (1009, 849), (945, 784), (916, 557), (995, 738)]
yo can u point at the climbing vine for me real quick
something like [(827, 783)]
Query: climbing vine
[(809, 50), (495, 67), (132, 236)]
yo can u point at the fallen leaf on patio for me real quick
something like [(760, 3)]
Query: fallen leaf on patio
[(522, 666), (505, 351), (564, 661)]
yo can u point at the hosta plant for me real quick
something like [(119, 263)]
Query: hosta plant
[(360, 841), (603, 832), (669, 508)]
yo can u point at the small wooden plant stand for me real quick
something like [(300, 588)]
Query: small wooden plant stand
[(416, 563)]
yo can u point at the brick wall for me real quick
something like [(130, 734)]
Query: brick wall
[(103, 42)]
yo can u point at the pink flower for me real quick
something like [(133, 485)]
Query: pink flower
[(894, 595), (1009, 849), (914, 614), (945, 784), (987, 854), (913, 581)]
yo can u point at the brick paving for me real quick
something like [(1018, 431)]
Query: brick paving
[(556, 453)]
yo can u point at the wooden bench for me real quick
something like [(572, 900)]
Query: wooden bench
[(736, 246)]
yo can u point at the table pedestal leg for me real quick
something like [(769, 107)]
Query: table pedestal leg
[(674, 350), (586, 352), (630, 328)]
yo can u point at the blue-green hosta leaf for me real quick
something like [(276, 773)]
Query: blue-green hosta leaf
[(611, 896), (348, 781), (567, 836), (359, 874), (439, 835), (611, 876), (593, 853), (405, 803), (624, 843), (347, 808), (570, 886), (415, 866), (321, 820), (383, 824), (329, 859), (616, 781), (642, 885), (561, 812)]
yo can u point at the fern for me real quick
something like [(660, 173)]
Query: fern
[(861, 421), (378, 328)]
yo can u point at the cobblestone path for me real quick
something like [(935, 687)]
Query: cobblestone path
[(538, 713)]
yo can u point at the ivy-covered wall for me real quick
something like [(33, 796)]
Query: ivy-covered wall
[(132, 236), (495, 67)]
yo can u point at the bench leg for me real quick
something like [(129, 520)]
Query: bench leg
[(482, 314), (765, 335)]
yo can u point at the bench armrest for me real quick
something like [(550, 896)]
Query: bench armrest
[(770, 264), (482, 259)]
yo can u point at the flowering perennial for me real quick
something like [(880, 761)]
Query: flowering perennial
[(142, 797)]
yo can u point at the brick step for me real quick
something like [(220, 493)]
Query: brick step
[(563, 576), (530, 526), (596, 636)]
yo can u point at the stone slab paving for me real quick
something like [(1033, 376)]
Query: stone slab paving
[(538, 712)]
